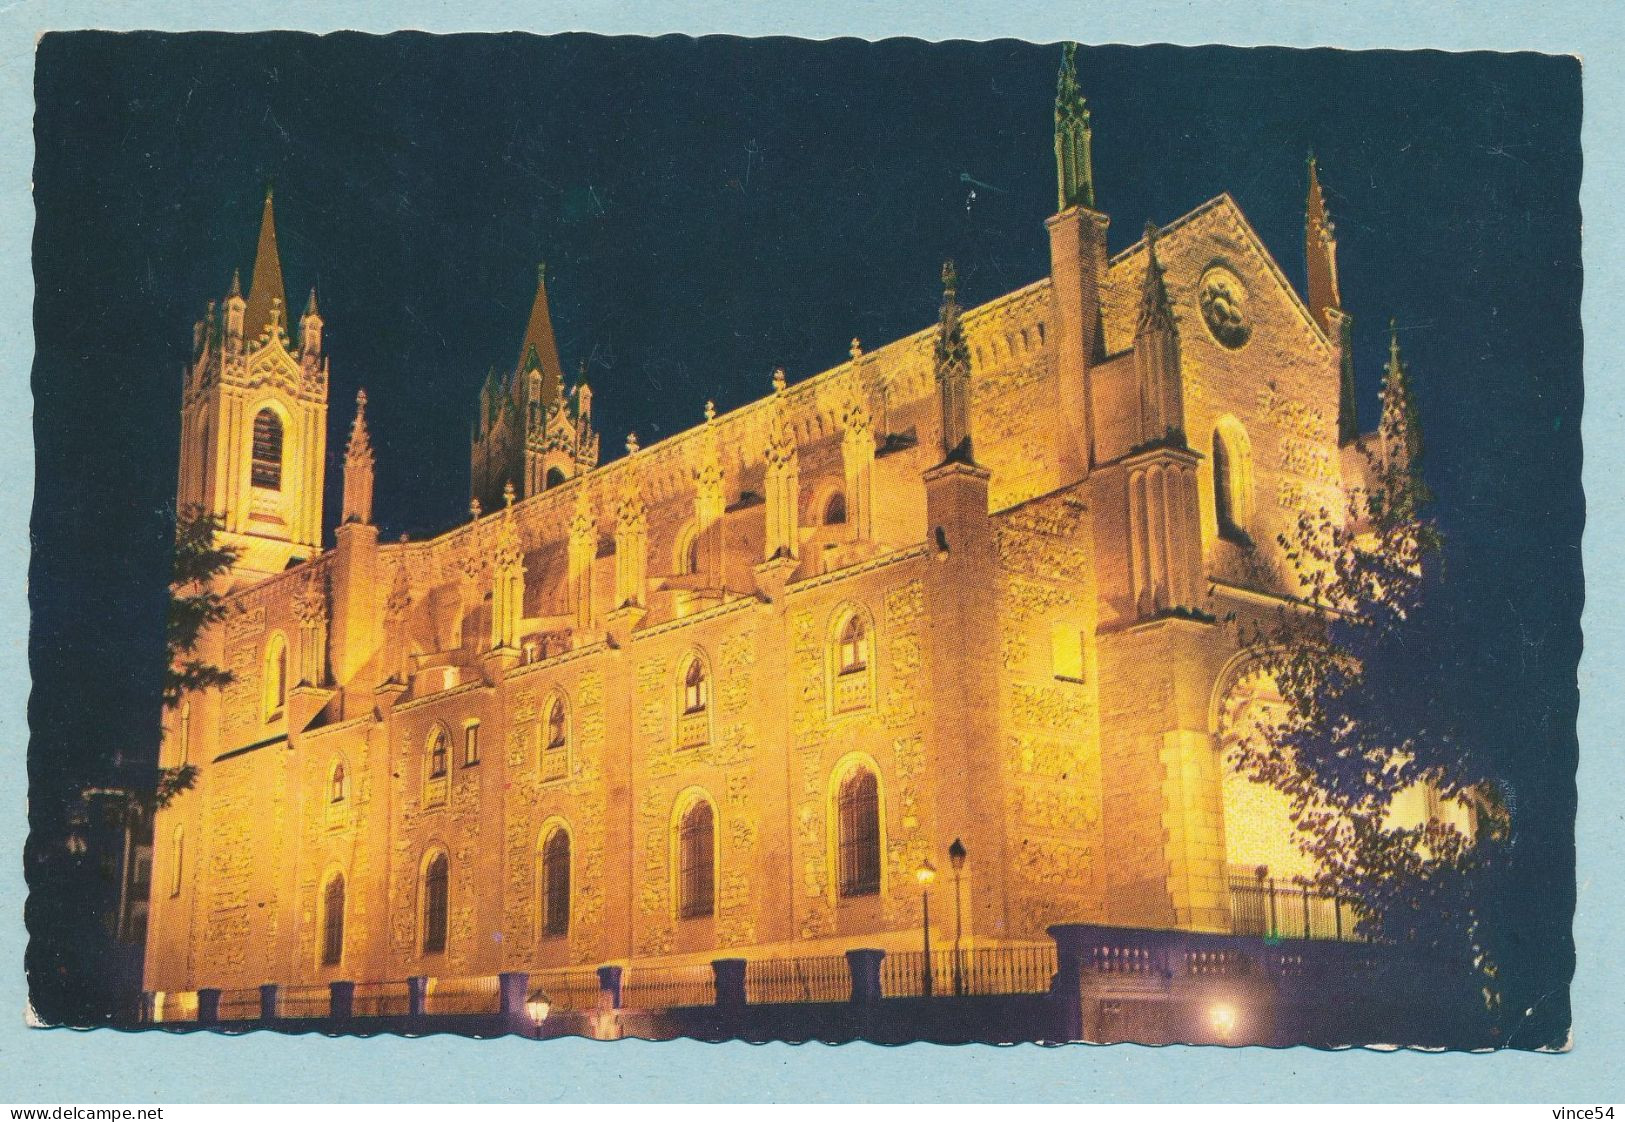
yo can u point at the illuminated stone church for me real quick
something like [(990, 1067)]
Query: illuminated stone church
[(727, 694)]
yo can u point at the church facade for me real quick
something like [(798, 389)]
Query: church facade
[(728, 694)]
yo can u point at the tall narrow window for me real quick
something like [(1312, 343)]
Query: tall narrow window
[(696, 856), (276, 676), (177, 861), (556, 742), (1224, 502), (854, 646), (858, 842), (337, 788), (556, 883), (333, 921), (435, 912), (696, 689), (437, 753), (471, 744), (266, 468), (1232, 480)]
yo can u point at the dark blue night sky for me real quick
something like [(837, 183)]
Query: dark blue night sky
[(711, 208)]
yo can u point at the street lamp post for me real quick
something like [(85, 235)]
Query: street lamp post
[(925, 874), (956, 858), (537, 1007)]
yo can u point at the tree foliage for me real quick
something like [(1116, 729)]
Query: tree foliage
[(194, 606), (1360, 725)]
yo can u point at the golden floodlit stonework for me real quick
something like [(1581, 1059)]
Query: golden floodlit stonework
[(723, 695)]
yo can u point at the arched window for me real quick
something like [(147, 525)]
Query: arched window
[(276, 676), (338, 788), (177, 861), (835, 510), (435, 911), (1232, 480), (556, 741), (686, 557), (696, 861), (858, 833), (555, 476), (438, 749), (852, 650), (696, 688), (556, 883), (333, 921), (851, 673), (266, 467)]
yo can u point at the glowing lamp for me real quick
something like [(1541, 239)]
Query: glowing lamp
[(1222, 1016), (537, 1006), (926, 873)]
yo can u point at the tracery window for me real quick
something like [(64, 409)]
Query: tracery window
[(438, 749), (337, 787), (266, 465), (696, 688), (556, 741), (853, 647)]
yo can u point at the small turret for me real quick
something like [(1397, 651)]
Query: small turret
[(1074, 163), (1156, 354), (235, 305), (358, 467), (953, 373), (310, 328)]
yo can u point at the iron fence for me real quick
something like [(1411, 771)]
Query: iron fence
[(975, 971), (815, 978), (1288, 910)]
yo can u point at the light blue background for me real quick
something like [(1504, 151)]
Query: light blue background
[(62, 1066)]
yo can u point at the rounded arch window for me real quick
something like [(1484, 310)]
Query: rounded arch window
[(1232, 480), (852, 645), (696, 687), (276, 676), (555, 478), (436, 910), (857, 826), (333, 921), (835, 509), (696, 860), (555, 881), (265, 469), (439, 749)]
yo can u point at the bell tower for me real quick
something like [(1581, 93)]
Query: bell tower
[(254, 418)]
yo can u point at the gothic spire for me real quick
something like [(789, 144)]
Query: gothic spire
[(1320, 252), (953, 372), (310, 304), (236, 284), (1400, 435), (538, 350), (266, 284), (358, 464), (1156, 313), (1074, 165)]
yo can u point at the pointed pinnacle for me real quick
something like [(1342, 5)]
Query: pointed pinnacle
[(310, 305), (950, 279), (236, 284), (778, 379)]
